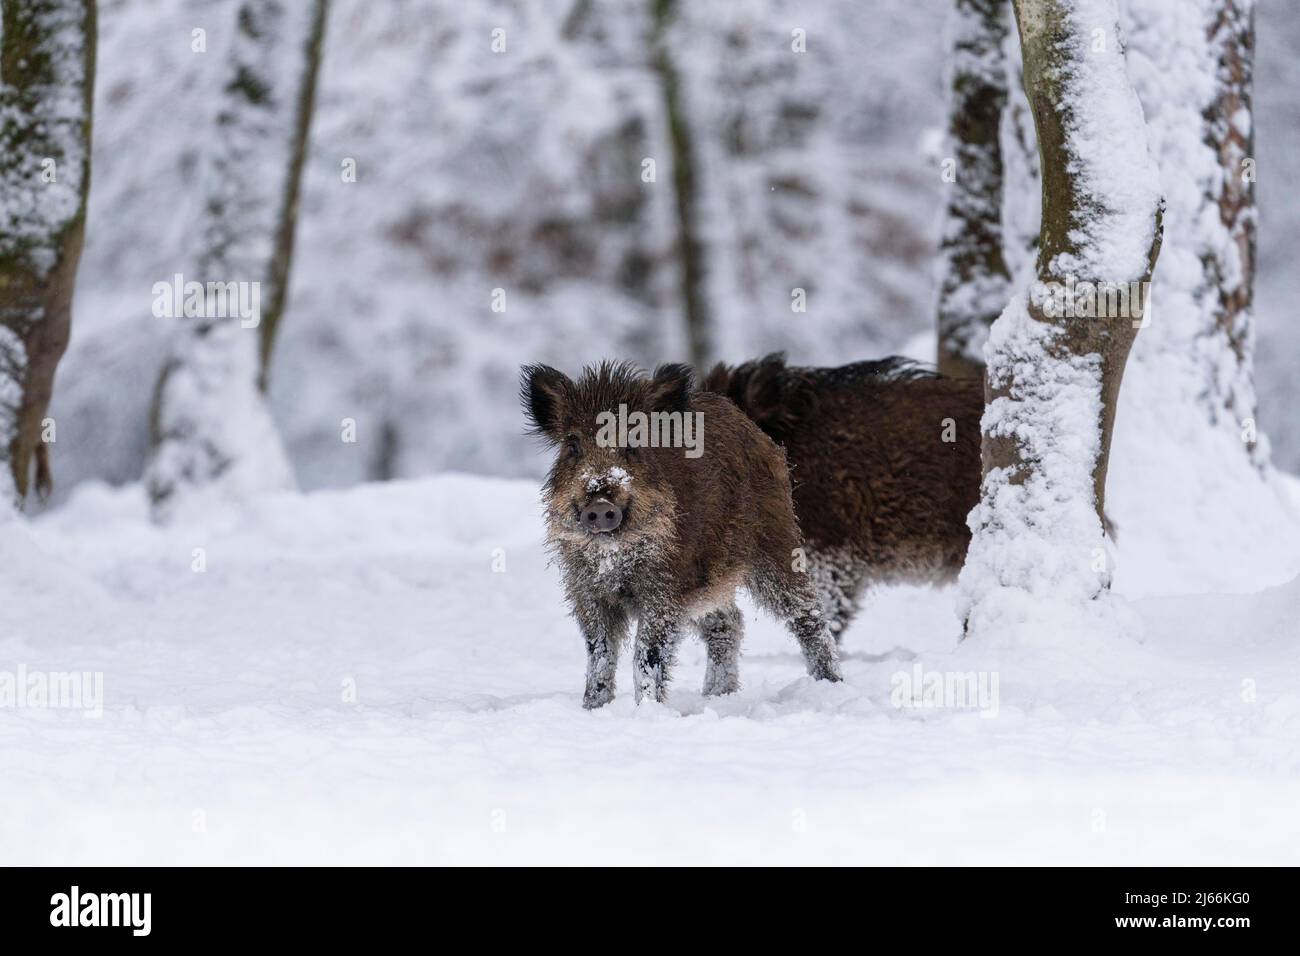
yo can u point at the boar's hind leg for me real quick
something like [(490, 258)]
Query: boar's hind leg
[(790, 596), (603, 628), (839, 581), (657, 636), (722, 630)]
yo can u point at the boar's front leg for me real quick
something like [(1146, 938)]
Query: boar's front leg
[(722, 630), (603, 628), (657, 635)]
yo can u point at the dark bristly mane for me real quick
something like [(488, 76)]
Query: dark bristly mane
[(778, 396), (896, 368)]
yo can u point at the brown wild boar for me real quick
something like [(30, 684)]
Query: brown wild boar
[(666, 530), (885, 461)]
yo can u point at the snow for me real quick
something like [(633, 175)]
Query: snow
[(610, 477), (228, 736)]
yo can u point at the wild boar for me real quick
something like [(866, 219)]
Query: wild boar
[(885, 461), (650, 519)]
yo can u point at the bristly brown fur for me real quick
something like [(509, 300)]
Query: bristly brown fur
[(693, 529), (885, 458)]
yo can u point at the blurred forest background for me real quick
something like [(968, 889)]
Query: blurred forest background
[(477, 172)]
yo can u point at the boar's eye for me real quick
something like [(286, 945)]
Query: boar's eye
[(572, 447)]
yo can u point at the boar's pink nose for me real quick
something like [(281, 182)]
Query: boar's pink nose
[(600, 516)]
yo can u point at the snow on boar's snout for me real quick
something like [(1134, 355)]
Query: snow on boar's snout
[(651, 521)]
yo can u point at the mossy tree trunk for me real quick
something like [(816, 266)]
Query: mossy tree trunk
[(47, 75)]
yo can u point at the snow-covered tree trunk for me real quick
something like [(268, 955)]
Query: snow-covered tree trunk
[(47, 76), (1230, 257), (1053, 367), (212, 431), (974, 282), (1192, 64), (1195, 81)]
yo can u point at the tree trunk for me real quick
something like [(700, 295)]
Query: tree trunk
[(690, 248), (1199, 67), (1054, 369), (211, 427), (1230, 262), (47, 78), (975, 283)]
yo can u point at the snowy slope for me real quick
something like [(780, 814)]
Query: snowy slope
[(225, 735)]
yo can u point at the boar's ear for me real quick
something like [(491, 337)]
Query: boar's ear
[(670, 388), (543, 391)]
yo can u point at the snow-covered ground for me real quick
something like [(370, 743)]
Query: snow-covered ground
[(387, 674)]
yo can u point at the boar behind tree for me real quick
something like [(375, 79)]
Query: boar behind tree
[(885, 460), (643, 530)]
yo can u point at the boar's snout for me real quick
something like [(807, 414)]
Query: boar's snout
[(600, 516)]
